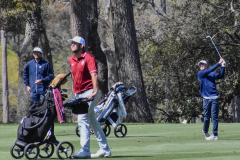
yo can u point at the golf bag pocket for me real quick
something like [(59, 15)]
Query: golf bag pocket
[(107, 108), (23, 133)]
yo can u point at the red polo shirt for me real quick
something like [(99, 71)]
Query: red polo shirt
[(81, 69)]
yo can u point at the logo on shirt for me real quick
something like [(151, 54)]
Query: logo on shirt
[(82, 62), (40, 66), (72, 64)]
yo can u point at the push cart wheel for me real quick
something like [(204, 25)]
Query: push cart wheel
[(16, 151), (46, 150), (64, 150), (106, 129), (31, 151), (120, 130), (77, 131)]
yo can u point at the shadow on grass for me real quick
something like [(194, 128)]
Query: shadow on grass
[(142, 136), (109, 157), (130, 156), (111, 137), (229, 139), (65, 135)]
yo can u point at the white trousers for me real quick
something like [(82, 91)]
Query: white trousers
[(87, 120)]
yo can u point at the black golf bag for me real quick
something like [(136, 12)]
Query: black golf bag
[(35, 127), (38, 127)]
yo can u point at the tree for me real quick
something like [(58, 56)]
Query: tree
[(95, 46), (105, 34), (104, 31), (127, 58), (8, 23), (4, 77)]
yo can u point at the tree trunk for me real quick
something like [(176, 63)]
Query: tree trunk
[(110, 55), (79, 19), (234, 109), (44, 43), (4, 77), (34, 31), (104, 30), (94, 47), (85, 24), (238, 109), (128, 62), (231, 110)]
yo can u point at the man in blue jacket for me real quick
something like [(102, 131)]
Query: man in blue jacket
[(209, 92), (37, 74)]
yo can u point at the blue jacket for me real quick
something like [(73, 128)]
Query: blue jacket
[(37, 70), (207, 80)]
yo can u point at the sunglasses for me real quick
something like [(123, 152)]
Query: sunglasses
[(37, 53), (75, 43)]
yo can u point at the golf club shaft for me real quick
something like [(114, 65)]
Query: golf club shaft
[(214, 46)]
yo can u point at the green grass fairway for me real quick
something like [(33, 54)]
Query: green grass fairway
[(148, 141)]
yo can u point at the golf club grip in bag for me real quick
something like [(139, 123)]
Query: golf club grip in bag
[(109, 105)]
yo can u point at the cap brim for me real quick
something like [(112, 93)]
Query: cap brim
[(71, 40), (37, 51), (201, 63)]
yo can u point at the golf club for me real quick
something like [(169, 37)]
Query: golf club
[(214, 46)]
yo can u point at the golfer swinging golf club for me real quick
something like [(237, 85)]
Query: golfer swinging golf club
[(207, 77)]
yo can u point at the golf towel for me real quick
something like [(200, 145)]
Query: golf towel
[(59, 105)]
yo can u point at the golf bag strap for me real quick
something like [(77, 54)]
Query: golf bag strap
[(37, 125)]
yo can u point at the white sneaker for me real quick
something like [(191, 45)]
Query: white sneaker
[(82, 155), (101, 153), (212, 137), (206, 135)]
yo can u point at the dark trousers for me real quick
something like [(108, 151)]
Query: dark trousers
[(36, 96), (211, 109)]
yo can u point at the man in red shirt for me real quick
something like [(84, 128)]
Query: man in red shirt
[(85, 84)]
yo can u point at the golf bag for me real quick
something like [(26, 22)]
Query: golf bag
[(110, 108), (107, 107), (36, 132), (113, 104), (35, 127)]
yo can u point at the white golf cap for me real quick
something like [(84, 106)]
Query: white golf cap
[(37, 49), (78, 39), (202, 61)]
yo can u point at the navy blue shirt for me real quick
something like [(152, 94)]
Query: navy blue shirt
[(207, 80), (37, 70)]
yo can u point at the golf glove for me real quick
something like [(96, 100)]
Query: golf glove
[(223, 64)]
